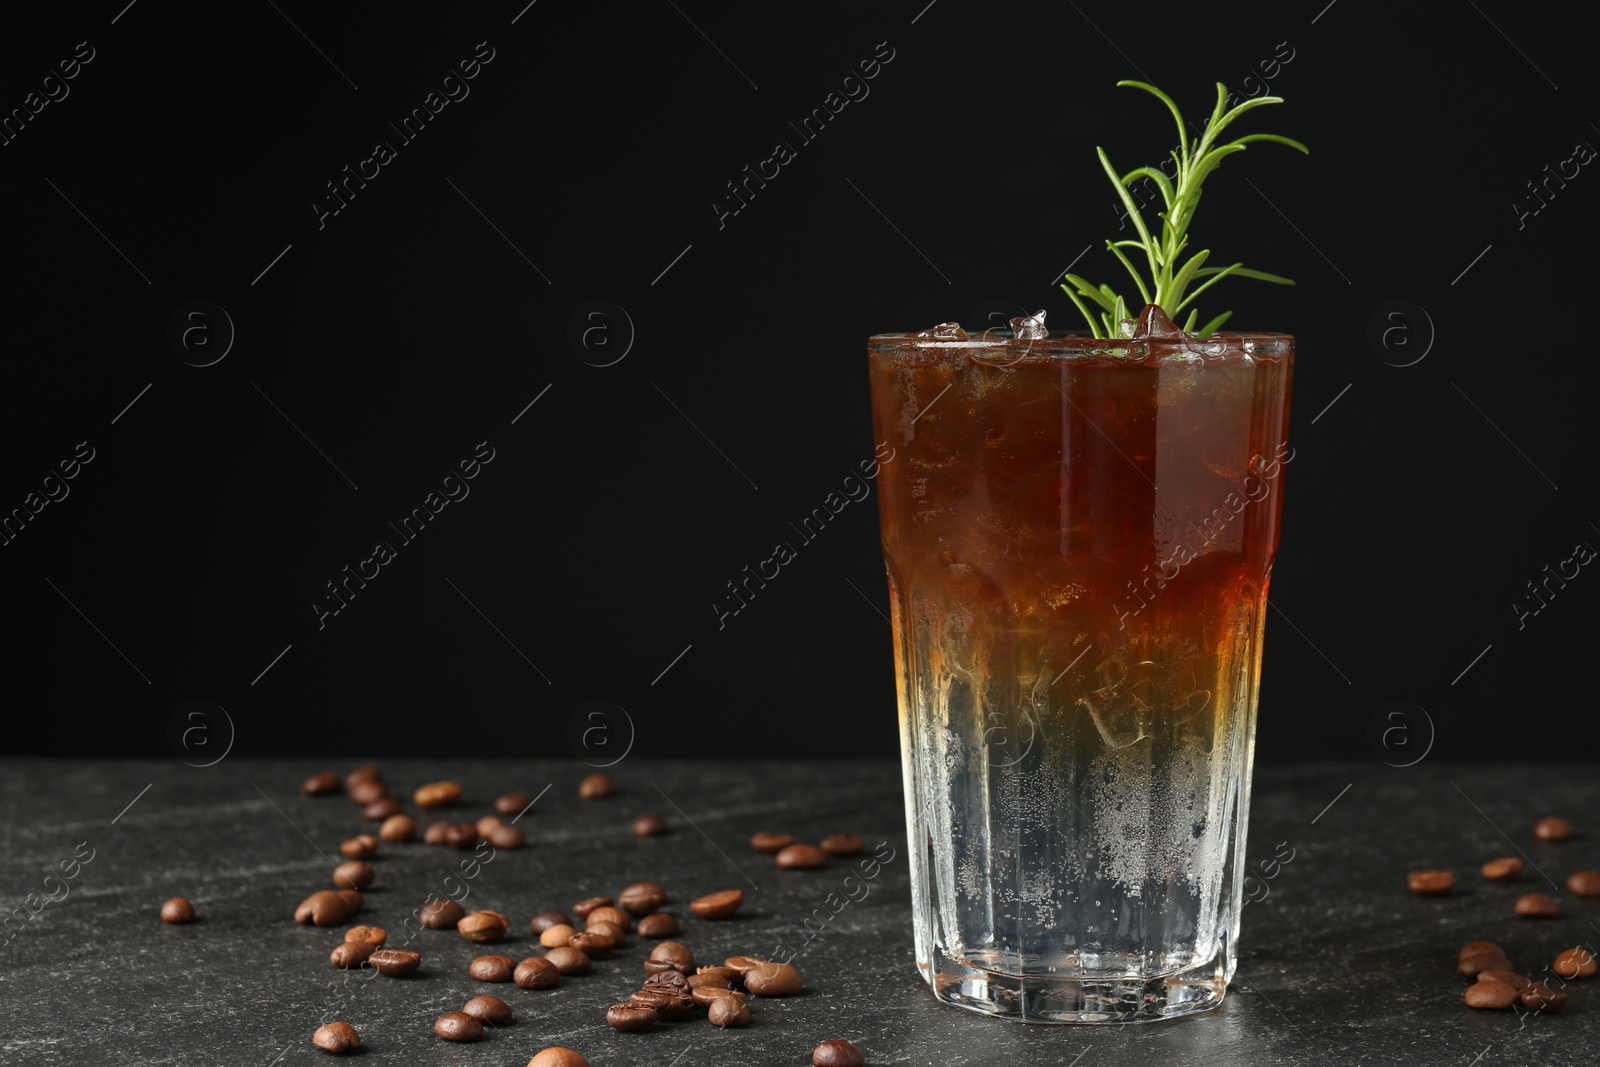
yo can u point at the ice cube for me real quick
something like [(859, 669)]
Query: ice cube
[(1029, 327), (945, 331)]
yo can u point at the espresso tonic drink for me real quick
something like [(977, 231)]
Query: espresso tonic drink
[(1078, 535)]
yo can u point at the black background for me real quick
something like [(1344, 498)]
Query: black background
[(408, 329)]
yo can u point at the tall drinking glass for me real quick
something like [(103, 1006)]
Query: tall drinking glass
[(1078, 535)]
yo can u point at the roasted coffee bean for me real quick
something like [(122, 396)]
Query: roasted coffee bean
[(717, 905), (675, 982), (771, 844), (487, 825), (705, 995), (322, 908), (353, 874), (482, 926), (366, 791), (659, 966), (556, 936), (1430, 883), (649, 826), (730, 1010), (1538, 906), (1584, 883), (351, 953), (492, 968), (1504, 869), (360, 847), (610, 929), (583, 907), (1552, 828), (1510, 978), (398, 827), (728, 974), (507, 836), (606, 913), (320, 785), (1472, 948), (555, 1056), (511, 803), (1574, 963), (442, 914), (668, 1006), (704, 979), (364, 773), (674, 952), (659, 924), (372, 935), (536, 972), (437, 833), (837, 1054), (642, 898), (773, 980), (353, 900), (1540, 997), (801, 857), (546, 919), (177, 910), (1475, 964), (458, 1026), (395, 962), (381, 809), (1492, 995), (487, 1009), (843, 844), (569, 961), (631, 1016), (594, 945), (438, 794), (743, 965), (596, 786), (337, 1038), (461, 835)]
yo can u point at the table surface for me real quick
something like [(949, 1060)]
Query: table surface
[(1338, 965)]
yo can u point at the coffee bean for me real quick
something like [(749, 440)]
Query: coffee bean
[(837, 1054), (717, 905), (843, 844), (657, 925), (773, 980), (1584, 883), (661, 966), (1504, 869), (607, 914), (583, 907), (743, 965), (1472, 948), (437, 833), (372, 935), (555, 1056), (398, 827), (727, 974), (642, 898), (320, 785), (511, 803), (1574, 963), (351, 953), (667, 1005), (364, 773), (1492, 995), (492, 968), (438, 794), (337, 1038), (395, 962), (353, 900), (569, 961), (546, 919), (610, 929), (674, 982), (705, 996), (536, 972), (177, 910), (361, 847), (381, 809), (458, 1026), (1510, 978), (487, 1009), (631, 1017), (1430, 883), (801, 857), (366, 791), (728, 1011), (1475, 964), (556, 936), (1540, 997), (442, 914), (507, 836), (1538, 906), (674, 952), (770, 843), (596, 786), (1552, 828), (461, 835), (322, 908), (708, 980), (482, 926), (649, 826), (594, 945), (353, 874), (488, 824)]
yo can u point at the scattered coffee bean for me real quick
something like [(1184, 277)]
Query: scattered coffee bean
[(642, 898), (606, 913), (487, 1009), (322, 908), (594, 945), (728, 1011), (704, 979), (381, 809), (596, 786), (442, 914), (398, 827), (631, 1017), (674, 952), (320, 785), (482, 926), (1552, 828), (437, 833), (337, 1038), (372, 935), (657, 925), (583, 907), (610, 929), (487, 825), (743, 965), (1472, 948), (649, 826), (843, 844), (1538, 906), (507, 836), (438, 794), (556, 936), (1574, 963), (353, 874), (1430, 883), (462, 835), (366, 791), (773, 980), (555, 1056), (1475, 964), (546, 919), (1540, 997), (727, 974), (1584, 883), (395, 962), (351, 953), (353, 900), (362, 847), (177, 910), (492, 968), (536, 972), (1491, 995), (771, 844), (1504, 869), (365, 772), (653, 967), (458, 1026), (668, 1006), (837, 1054), (801, 857), (511, 803), (718, 905), (1510, 978), (706, 995), (569, 961)]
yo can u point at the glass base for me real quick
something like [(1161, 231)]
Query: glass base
[(1037, 999)]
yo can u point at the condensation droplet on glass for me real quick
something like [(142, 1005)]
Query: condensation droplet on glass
[(1030, 327), (1258, 463), (945, 331)]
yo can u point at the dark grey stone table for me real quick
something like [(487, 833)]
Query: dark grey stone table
[(1339, 965)]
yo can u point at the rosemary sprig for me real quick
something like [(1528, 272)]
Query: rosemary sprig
[(1169, 281)]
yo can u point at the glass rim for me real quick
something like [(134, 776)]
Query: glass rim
[(1007, 346)]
